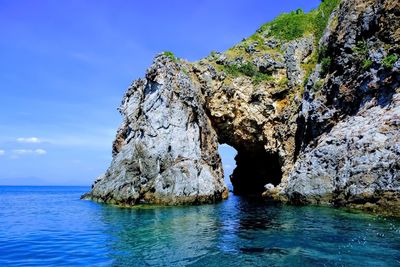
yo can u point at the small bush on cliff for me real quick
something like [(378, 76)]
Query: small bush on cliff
[(367, 63), (325, 65), (170, 55), (361, 49), (248, 69), (260, 77), (389, 61), (318, 84)]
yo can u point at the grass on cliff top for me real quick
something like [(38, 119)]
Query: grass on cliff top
[(293, 25), (286, 27)]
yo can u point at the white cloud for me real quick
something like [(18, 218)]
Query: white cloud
[(2, 152), (40, 151), (29, 140), (20, 152)]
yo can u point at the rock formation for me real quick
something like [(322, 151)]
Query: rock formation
[(310, 102), (166, 149), (351, 121)]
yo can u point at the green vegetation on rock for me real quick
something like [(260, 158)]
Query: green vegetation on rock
[(272, 38), (293, 25), (170, 55), (367, 63), (325, 65), (361, 49), (389, 61), (248, 69)]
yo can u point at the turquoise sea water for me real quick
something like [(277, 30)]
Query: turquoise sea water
[(50, 226)]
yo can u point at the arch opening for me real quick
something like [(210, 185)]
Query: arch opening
[(255, 168), (227, 154)]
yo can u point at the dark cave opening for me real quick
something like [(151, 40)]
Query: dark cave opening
[(254, 169)]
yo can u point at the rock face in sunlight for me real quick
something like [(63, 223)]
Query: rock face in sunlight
[(166, 149), (350, 153), (311, 103)]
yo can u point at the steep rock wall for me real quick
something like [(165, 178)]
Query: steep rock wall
[(350, 117), (166, 149)]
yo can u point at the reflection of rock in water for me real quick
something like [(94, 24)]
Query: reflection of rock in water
[(219, 235), (155, 236)]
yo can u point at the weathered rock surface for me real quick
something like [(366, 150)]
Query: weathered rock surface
[(166, 150), (323, 132), (354, 162), (350, 152)]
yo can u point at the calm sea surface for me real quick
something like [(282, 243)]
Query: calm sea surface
[(50, 226)]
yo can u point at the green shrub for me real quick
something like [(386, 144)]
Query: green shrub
[(389, 61), (284, 82), (367, 63), (325, 65), (289, 26), (170, 55), (322, 52), (361, 49), (321, 16), (318, 84), (231, 70), (248, 69), (260, 77)]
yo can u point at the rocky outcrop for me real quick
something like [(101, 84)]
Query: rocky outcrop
[(313, 122), (354, 163), (166, 149), (350, 155)]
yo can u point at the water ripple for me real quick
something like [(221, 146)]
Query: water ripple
[(50, 226)]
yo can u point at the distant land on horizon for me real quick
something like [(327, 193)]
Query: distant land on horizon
[(33, 181)]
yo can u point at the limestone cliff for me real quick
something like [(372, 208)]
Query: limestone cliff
[(310, 102), (166, 149), (350, 117)]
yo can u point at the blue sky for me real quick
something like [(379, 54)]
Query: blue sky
[(65, 66)]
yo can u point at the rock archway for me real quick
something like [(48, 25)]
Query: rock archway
[(270, 100), (255, 170), (166, 150)]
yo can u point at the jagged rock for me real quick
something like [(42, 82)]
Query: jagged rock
[(377, 55), (237, 61), (360, 156), (222, 59), (295, 53), (272, 43), (269, 187), (349, 153), (168, 150), (252, 48), (397, 65), (266, 64)]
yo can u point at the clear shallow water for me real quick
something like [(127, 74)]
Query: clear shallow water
[(50, 226)]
